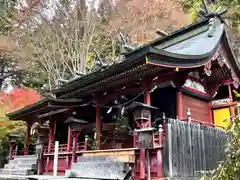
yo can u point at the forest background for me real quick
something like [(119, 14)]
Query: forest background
[(44, 43)]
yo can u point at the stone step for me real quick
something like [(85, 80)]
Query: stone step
[(123, 166), (22, 161), (19, 166), (25, 156), (100, 170), (96, 159), (17, 171)]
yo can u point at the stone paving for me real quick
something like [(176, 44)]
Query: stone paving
[(86, 168), (37, 177)]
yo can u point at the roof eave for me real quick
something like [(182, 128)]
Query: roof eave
[(23, 111)]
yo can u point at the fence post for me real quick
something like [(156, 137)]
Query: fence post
[(169, 139), (55, 162), (164, 124), (189, 115), (159, 151), (190, 147), (86, 142), (203, 148), (148, 164)]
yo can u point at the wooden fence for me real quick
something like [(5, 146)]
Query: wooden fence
[(191, 148)]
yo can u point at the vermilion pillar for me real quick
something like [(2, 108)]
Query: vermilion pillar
[(147, 100), (75, 135), (69, 139), (50, 139), (11, 146), (68, 147), (179, 103), (147, 96), (51, 136), (98, 125), (230, 91), (232, 113), (27, 140), (210, 113)]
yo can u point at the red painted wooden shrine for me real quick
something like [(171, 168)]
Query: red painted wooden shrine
[(191, 70)]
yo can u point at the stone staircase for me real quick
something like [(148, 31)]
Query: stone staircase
[(99, 167), (21, 165)]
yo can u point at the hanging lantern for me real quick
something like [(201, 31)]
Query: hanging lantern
[(143, 117), (142, 114)]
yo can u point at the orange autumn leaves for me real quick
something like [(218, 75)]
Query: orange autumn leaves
[(11, 101), (18, 98)]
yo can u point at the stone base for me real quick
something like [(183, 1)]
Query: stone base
[(101, 167), (21, 165)]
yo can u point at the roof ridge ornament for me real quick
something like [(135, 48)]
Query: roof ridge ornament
[(80, 73), (212, 26), (162, 33), (207, 68), (99, 60), (125, 46), (206, 12), (236, 82)]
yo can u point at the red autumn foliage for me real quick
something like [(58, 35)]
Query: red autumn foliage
[(19, 98)]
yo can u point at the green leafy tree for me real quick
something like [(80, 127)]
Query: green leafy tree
[(192, 7), (229, 169), (13, 69)]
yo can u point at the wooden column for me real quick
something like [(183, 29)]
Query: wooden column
[(142, 163), (50, 139), (232, 113), (51, 136), (27, 138), (179, 104), (69, 139), (147, 100), (230, 92), (147, 96), (11, 146), (68, 148), (210, 113), (75, 135), (98, 126)]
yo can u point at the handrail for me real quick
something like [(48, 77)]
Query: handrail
[(21, 152), (63, 148), (202, 123)]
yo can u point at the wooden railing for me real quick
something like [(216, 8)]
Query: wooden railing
[(22, 152), (63, 148)]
